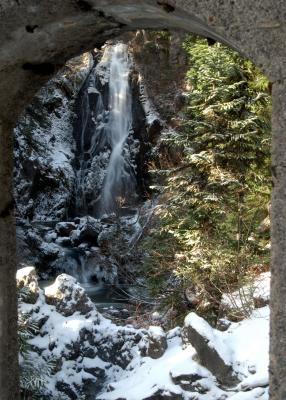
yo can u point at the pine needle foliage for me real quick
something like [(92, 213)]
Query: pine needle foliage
[(34, 371), (208, 233)]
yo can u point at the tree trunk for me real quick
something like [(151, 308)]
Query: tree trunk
[(278, 246), (8, 299)]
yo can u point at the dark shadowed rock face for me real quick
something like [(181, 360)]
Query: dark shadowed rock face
[(44, 145), (162, 63)]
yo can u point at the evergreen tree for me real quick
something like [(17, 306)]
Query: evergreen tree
[(208, 236)]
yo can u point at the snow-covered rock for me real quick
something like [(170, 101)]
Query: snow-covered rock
[(49, 251), (93, 355), (238, 353), (154, 344), (107, 235), (44, 145), (87, 231), (211, 352), (86, 349), (67, 296)]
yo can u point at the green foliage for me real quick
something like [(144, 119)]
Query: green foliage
[(33, 370), (208, 234), (33, 378)]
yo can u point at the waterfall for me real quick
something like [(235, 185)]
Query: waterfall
[(105, 167), (118, 179)]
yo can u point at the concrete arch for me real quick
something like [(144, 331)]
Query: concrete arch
[(38, 36)]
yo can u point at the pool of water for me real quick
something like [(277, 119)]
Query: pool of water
[(101, 295)]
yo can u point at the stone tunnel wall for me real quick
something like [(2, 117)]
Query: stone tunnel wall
[(38, 36)]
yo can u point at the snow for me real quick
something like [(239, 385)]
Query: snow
[(145, 376), (258, 393), (259, 289), (50, 147), (248, 342), (24, 272), (148, 107), (92, 89), (156, 332), (240, 345), (244, 345)]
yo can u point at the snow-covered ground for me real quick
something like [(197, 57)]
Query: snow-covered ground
[(90, 348), (240, 345)]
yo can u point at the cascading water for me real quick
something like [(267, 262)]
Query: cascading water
[(108, 122), (105, 167), (118, 180)]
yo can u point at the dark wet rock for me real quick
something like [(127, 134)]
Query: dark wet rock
[(223, 324), (63, 241), (154, 130), (192, 382), (24, 252), (49, 251), (186, 380), (64, 228), (87, 231), (107, 235)]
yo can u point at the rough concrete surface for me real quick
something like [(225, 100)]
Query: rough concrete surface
[(38, 36)]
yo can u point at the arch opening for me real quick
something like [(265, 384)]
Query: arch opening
[(263, 50)]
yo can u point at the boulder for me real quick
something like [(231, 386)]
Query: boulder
[(223, 324), (65, 228), (191, 377), (162, 394), (154, 344), (33, 239), (87, 231), (187, 381), (107, 236), (209, 348), (27, 278), (68, 296), (49, 251), (63, 241), (50, 236)]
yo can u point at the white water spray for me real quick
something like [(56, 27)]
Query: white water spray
[(118, 181)]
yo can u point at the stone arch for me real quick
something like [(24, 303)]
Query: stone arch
[(38, 36)]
